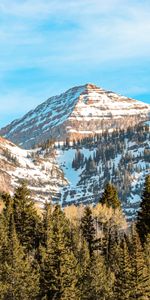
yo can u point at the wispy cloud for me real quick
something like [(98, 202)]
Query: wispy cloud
[(72, 41), (110, 31)]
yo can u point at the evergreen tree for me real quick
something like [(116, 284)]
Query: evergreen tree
[(110, 197), (3, 254), (7, 213), (88, 229), (143, 219), (59, 274), (83, 260), (140, 288), (111, 249), (26, 219), (47, 224), (147, 254), (18, 280), (95, 282), (123, 277)]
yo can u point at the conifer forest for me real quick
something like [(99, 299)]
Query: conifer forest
[(75, 253)]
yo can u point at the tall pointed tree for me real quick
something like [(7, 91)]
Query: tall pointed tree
[(88, 229), (7, 210), (147, 254), (143, 219), (95, 283), (19, 279), (59, 274), (140, 288), (123, 277), (110, 197), (4, 250), (26, 218), (47, 224)]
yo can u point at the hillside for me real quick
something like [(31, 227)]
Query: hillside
[(79, 112), (75, 173), (120, 157), (38, 167)]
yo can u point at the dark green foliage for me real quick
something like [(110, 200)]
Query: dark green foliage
[(95, 282), (123, 276), (59, 270), (143, 219), (88, 229), (110, 197), (46, 225), (18, 279), (26, 219), (147, 253), (56, 258), (140, 288)]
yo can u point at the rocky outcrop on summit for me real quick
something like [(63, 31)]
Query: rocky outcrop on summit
[(79, 112)]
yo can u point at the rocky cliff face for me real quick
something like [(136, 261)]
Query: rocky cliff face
[(81, 111)]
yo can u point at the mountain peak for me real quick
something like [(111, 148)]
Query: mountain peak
[(80, 111), (91, 86)]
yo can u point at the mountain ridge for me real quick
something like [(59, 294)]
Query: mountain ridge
[(80, 111)]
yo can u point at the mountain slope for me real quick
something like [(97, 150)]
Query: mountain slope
[(38, 167), (80, 111), (122, 157), (77, 172)]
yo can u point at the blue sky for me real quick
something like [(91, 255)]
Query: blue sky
[(48, 46)]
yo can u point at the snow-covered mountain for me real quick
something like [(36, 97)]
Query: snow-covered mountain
[(77, 172), (79, 112), (101, 148), (122, 157), (38, 167)]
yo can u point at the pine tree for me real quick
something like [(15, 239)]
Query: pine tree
[(7, 210), (83, 260), (143, 219), (59, 274), (147, 254), (47, 224), (26, 219), (110, 197), (18, 280), (88, 229), (95, 282), (140, 288), (111, 249), (3, 254), (123, 277), (147, 250)]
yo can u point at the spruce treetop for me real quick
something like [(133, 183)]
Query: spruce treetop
[(110, 196)]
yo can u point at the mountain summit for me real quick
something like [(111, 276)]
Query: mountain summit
[(80, 111)]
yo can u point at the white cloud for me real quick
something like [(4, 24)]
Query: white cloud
[(105, 31), (67, 37)]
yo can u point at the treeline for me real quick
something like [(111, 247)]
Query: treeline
[(79, 253), (114, 157)]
